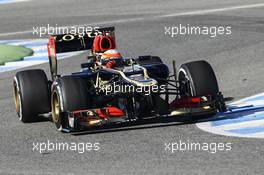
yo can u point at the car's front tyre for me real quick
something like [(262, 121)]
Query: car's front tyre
[(69, 94), (201, 78)]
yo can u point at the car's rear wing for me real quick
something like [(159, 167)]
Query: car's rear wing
[(74, 42)]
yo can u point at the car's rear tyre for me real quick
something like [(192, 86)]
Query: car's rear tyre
[(31, 94), (201, 78), (69, 94)]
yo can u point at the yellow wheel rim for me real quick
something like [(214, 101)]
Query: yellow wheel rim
[(55, 107), (17, 98)]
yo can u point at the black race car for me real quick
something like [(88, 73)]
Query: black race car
[(111, 89)]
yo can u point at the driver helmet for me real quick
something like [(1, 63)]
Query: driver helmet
[(111, 54), (111, 58)]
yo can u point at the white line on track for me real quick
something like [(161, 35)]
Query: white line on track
[(10, 1), (197, 12), (254, 123), (200, 12), (248, 122)]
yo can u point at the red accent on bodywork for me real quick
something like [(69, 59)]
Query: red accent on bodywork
[(196, 99), (110, 64), (100, 41), (110, 112), (186, 102), (103, 113), (51, 47)]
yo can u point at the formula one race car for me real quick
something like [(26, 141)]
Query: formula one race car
[(111, 89)]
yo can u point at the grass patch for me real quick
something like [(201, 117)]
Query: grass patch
[(9, 53)]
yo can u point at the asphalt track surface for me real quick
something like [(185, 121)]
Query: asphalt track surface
[(237, 60)]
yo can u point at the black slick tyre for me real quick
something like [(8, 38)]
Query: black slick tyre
[(31, 94)]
